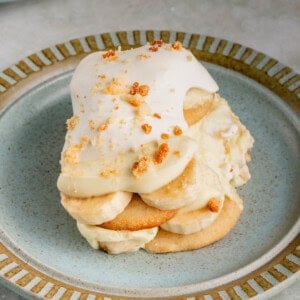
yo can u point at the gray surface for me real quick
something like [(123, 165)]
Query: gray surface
[(268, 26), (6, 294), (271, 26)]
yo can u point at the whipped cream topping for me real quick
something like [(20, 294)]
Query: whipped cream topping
[(105, 108), (123, 102)]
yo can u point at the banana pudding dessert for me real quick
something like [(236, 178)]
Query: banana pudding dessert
[(153, 154)]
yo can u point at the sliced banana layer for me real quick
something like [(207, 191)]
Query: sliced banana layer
[(197, 97), (190, 190), (116, 241), (165, 241), (204, 209), (181, 191), (196, 220), (96, 210), (197, 104)]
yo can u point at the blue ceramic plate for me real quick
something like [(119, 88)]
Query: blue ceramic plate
[(41, 252)]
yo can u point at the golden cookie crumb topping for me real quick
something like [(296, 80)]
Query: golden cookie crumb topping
[(213, 205), (161, 153), (110, 55), (146, 128), (140, 167), (177, 130), (72, 122)]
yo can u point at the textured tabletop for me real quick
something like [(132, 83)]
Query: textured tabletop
[(269, 26)]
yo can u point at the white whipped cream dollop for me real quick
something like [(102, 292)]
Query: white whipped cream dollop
[(123, 101), (168, 73)]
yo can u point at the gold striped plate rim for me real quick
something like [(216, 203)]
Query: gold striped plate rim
[(267, 71), (280, 79), (245, 287)]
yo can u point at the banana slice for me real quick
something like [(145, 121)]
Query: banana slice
[(196, 220), (189, 191), (96, 210), (165, 241), (116, 241), (196, 97), (197, 104), (204, 210), (181, 191)]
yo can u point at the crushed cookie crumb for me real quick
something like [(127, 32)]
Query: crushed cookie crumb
[(72, 122), (140, 167), (157, 115), (226, 147), (143, 56), (70, 156), (103, 127), (176, 153), (217, 135), (84, 139), (115, 87), (153, 49), (92, 125), (143, 90), (177, 130), (136, 88), (110, 55), (102, 76), (134, 102), (213, 205), (109, 173), (146, 128), (161, 153), (132, 92), (157, 43), (165, 136), (177, 45)]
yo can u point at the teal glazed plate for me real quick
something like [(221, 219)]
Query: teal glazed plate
[(41, 253)]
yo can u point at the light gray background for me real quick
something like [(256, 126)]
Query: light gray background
[(270, 26)]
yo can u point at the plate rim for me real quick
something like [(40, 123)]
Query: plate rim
[(251, 63)]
